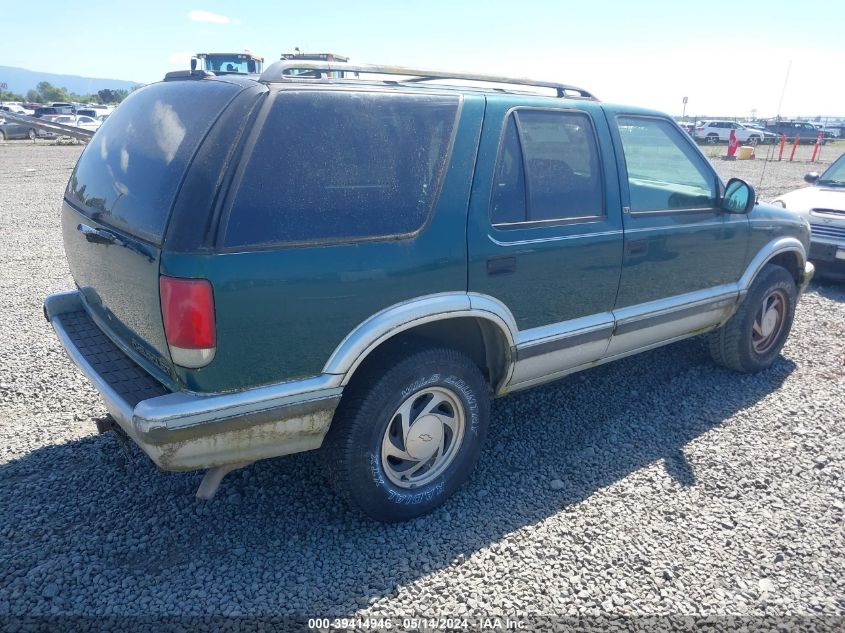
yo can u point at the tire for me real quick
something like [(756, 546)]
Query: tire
[(2, 136), (754, 139), (361, 451), (748, 342), (31, 134), (712, 139)]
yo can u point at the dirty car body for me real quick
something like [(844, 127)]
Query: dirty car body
[(244, 250)]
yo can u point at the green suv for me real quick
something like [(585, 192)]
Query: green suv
[(357, 259)]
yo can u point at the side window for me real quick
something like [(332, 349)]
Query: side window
[(549, 169), (508, 204), (664, 171), (336, 166)]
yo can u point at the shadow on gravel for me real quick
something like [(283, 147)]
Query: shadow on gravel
[(82, 533), (830, 286)]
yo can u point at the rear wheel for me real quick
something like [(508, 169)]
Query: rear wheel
[(753, 337), (712, 139), (408, 432), (31, 134), (2, 135)]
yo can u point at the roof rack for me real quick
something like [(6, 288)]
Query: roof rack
[(284, 71)]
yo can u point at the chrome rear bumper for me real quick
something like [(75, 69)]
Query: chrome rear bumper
[(185, 430)]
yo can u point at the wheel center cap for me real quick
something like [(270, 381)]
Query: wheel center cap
[(424, 437), (770, 322)]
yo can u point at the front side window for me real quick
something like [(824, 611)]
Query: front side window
[(340, 166), (664, 171), (548, 170)]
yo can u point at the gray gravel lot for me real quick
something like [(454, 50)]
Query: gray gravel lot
[(684, 489)]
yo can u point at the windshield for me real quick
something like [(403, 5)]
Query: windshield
[(835, 174), (230, 64)]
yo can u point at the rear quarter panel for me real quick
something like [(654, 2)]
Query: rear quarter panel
[(282, 312)]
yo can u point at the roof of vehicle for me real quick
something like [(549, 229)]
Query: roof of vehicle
[(424, 81), (283, 71)]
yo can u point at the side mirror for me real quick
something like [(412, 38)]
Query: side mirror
[(812, 177), (739, 197), (193, 63)]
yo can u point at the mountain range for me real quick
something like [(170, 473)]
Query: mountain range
[(20, 80)]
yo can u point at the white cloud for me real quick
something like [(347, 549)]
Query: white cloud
[(198, 15)]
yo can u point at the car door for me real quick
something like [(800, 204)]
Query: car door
[(682, 254), (544, 229)]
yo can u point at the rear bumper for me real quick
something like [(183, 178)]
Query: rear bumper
[(188, 431)]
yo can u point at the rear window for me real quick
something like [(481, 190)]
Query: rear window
[(339, 166), (128, 175)]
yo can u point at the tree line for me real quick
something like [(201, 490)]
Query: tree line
[(45, 92)]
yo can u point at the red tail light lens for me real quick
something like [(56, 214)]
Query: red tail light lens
[(187, 306)]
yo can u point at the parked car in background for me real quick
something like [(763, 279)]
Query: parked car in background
[(13, 130), (15, 109), (768, 137), (88, 122), (807, 132), (822, 204), (367, 289), (46, 111), (687, 127), (720, 131), (84, 122)]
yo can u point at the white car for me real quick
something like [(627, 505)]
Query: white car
[(88, 123), (823, 206), (716, 131), (84, 122)]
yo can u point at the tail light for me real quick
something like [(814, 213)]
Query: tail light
[(187, 306)]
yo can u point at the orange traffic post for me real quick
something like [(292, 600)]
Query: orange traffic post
[(816, 148), (794, 147), (782, 144)]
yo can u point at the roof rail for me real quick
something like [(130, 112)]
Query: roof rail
[(282, 71)]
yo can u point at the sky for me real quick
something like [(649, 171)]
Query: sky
[(727, 58)]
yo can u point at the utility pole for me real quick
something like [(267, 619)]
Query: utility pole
[(684, 114)]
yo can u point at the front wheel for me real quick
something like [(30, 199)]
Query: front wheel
[(753, 337), (408, 432), (2, 136), (31, 134)]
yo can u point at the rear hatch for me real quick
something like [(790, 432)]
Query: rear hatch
[(118, 202)]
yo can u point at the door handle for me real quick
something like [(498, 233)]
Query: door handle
[(501, 265), (636, 247)]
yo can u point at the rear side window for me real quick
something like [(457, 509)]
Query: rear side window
[(548, 170), (129, 174), (339, 166)]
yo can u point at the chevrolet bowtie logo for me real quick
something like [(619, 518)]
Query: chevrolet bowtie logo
[(425, 437)]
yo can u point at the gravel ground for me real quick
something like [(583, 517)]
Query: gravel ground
[(658, 485)]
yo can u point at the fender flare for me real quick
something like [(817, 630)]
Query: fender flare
[(766, 254), (383, 325)]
